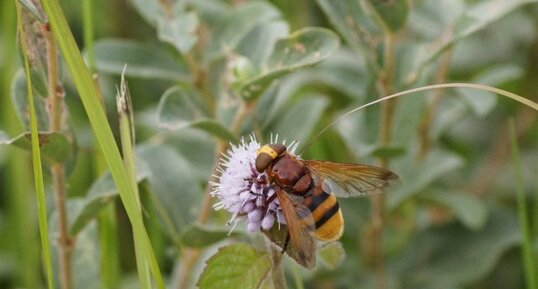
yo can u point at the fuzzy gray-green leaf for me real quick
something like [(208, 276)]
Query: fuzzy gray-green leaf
[(144, 61), (393, 13), (237, 24), (102, 192), (475, 18), (54, 146), (303, 48), (198, 236), (416, 177), (351, 20), (180, 30), (470, 210), (178, 109), (332, 255), (237, 266)]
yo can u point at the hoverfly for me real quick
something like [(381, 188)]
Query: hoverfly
[(307, 191)]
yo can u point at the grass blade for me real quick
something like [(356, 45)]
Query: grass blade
[(528, 260), (507, 94), (36, 161), (88, 93), (127, 136)]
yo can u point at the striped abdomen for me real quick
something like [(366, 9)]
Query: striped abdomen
[(326, 213)]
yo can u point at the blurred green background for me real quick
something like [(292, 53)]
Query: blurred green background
[(203, 73)]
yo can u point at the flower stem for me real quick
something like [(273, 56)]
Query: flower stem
[(277, 276), (424, 127), (65, 242), (378, 201)]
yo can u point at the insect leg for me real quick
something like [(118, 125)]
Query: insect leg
[(286, 242)]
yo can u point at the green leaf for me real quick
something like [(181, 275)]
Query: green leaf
[(393, 13), (179, 30), (211, 12), (237, 266), (150, 10), (199, 236), (53, 146), (351, 20), (483, 102), (416, 177), (177, 110), (457, 257), (332, 255), (173, 183), (214, 128), (470, 210), (476, 18), (301, 49), (20, 100), (236, 25), (407, 117), (257, 45), (102, 192), (298, 122), (144, 61), (344, 71)]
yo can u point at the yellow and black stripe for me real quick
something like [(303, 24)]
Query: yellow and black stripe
[(327, 215)]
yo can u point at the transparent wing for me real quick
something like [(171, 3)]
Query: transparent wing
[(300, 226), (351, 180)]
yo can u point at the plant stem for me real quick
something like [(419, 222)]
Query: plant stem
[(277, 275), (434, 101), (65, 243), (378, 201)]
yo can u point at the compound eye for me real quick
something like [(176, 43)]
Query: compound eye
[(262, 162), (266, 154)]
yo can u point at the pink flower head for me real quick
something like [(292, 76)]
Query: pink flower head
[(243, 191)]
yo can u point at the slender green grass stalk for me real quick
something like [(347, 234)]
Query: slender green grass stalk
[(103, 133), (20, 199), (36, 158), (127, 136), (528, 260), (108, 238), (87, 27), (108, 247), (513, 96)]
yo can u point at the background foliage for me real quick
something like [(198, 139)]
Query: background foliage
[(204, 73)]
